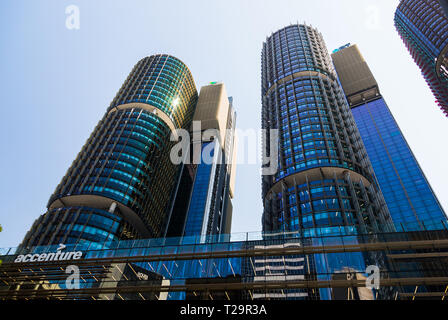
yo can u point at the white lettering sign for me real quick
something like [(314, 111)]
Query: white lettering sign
[(51, 256)]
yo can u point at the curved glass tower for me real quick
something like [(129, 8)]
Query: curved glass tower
[(423, 26), (324, 179), (122, 183)]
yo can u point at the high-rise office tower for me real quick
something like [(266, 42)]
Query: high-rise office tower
[(423, 26), (122, 185), (324, 178), (409, 197), (209, 177)]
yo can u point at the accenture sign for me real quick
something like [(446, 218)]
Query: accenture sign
[(50, 256)]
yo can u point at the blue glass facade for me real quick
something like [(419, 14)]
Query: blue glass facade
[(197, 216), (242, 266), (66, 225), (408, 195), (163, 82), (324, 178), (123, 183), (423, 27), (208, 210)]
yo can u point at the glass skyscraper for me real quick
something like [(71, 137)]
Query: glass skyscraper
[(211, 173), (325, 220), (122, 185), (409, 197), (324, 179), (423, 26)]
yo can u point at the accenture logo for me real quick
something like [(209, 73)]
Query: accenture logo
[(50, 256)]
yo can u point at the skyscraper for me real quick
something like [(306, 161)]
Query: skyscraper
[(324, 178), (210, 173), (409, 197), (423, 26), (122, 185)]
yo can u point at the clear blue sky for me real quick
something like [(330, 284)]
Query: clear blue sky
[(57, 83)]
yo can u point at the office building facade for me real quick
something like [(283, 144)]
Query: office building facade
[(423, 27), (210, 172), (413, 265), (409, 197), (324, 178), (122, 185)]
